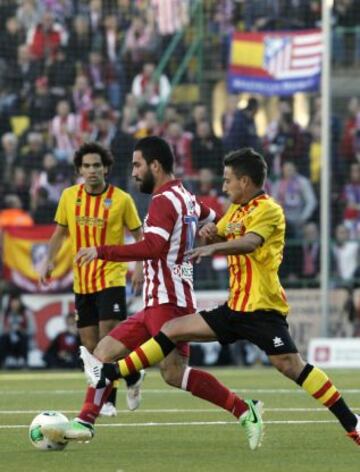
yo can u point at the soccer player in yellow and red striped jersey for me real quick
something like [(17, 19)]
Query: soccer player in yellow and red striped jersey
[(95, 212), (251, 234)]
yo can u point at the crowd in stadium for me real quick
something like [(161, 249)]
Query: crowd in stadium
[(72, 71)]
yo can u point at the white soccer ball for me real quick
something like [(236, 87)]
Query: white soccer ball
[(37, 438)]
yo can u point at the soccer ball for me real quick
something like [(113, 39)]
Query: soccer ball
[(37, 438)]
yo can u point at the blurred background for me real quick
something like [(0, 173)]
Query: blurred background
[(209, 76)]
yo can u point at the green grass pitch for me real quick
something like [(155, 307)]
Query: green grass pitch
[(173, 431)]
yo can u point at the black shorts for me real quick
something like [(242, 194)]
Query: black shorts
[(108, 304), (267, 329)]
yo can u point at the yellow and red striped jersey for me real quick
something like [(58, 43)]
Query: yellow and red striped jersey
[(95, 220), (254, 281)]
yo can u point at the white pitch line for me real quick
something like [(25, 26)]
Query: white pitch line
[(178, 410), (156, 391), (183, 423)]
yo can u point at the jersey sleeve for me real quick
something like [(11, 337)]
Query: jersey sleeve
[(61, 213), (207, 215), (158, 228), (161, 218), (264, 219), (131, 215)]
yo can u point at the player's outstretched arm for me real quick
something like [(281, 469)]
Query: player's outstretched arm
[(149, 248), (243, 245)]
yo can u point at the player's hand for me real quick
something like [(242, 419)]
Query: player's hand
[(137, 279), (208, 232), (46, 268), (198, 253), (85, 255)]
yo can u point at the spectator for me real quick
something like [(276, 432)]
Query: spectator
[(45, 209), (148, 124), (32, 154), (41, 106), (20, 186), (171, 15), (140, 43), (148, 89), (199, 113), (302, 258), (208, 193), (11, 39), (180, 141), (345, 256), (61, 74), (13, 214), (80, 40), (62, 132), (9, 155), (130, 114), (62, 352), (17, 334), (28, 14), (54, 177), (206, 149), (284, 141), (22, 74), (295, 194), (351, 197), (45, 39), (239, 130), (347, 145), (104, 76), (104, 128)]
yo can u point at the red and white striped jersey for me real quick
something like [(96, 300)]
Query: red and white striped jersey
[(174, 216), (170, 228)]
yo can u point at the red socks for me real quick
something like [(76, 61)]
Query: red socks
[(94, 400), (203, 385)]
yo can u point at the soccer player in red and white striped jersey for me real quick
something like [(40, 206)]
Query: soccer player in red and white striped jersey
[(169, 231)]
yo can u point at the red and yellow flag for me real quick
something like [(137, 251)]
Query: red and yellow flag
[(23, 251)]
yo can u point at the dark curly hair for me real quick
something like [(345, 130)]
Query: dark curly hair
[(93, 148)]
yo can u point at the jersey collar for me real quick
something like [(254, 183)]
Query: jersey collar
[(257, 194), (167, 186), (97, 194)]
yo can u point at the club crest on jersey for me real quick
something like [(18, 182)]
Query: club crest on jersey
[(107, 202), (78, 201), (237, 229)]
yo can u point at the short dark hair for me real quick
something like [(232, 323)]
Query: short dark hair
[(248, 162), (154, 148), (93, 148)]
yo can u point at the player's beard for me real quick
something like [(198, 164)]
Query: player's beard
[(148, 183)]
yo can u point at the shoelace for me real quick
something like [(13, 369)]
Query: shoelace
[(355, 436)]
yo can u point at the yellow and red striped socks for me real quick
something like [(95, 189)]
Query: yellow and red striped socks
[(150, 353), (315, 382)]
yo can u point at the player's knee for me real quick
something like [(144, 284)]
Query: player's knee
[(102, 352), (170, 329), (172, 375), (287, 366)]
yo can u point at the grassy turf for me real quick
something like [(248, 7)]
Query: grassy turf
[(135, 442)]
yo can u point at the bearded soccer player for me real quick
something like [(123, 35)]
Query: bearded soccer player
[(95, 212), (169, 231), (251, 234)]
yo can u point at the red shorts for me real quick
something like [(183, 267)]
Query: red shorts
[(145, 324)]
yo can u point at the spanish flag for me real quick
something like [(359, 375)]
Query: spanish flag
[(23, 251)]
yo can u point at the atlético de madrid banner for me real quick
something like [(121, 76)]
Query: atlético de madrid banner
[(275, 63)]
